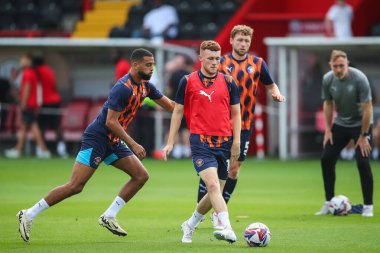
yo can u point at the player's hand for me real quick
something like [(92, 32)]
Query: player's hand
[(139, 151), (364, 145), (278, 97), (166, 151), (327, 138), (235, 151)]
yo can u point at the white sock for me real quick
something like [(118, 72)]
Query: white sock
[(224, 219), (195, 219), (35, 210), (115, 207)]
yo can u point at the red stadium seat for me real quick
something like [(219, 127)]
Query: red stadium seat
[(74, 119), (7, 127), (94, 110)]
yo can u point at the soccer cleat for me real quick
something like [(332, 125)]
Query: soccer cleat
[(111, 224), (367, 211), (24, 226), (187, 233), (226, 234), (217, 224), (12, 153), (324, 209)]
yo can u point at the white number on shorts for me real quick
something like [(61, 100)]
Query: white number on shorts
[(246, 148)]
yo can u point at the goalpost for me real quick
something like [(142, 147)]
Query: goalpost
[(298, 65)]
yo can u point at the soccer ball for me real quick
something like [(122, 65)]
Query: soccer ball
[(257, 235), (339, 205)]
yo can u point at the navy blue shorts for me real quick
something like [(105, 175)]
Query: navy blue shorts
[(212, 153), (96, 148), (245, 136)]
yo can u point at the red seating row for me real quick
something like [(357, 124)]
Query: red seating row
[(75, 118)]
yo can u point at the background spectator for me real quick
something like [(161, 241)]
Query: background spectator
[(29, 106), (122, 65), (338, 20), (162, 21), (50, 116)]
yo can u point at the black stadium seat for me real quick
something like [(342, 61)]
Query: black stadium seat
[(50, 16)]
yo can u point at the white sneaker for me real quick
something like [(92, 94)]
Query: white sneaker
[(12, 153), (187, 233), (324, 209), (24, 226), (111, 224), (61, 149), (226, 234), (216, 223), (44, 154), (367, 211)]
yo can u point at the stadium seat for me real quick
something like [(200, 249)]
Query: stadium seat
[(7, 128), (187, 31), (70, 6), (50, 16), (74, 119), (209, 31), (94, 111)]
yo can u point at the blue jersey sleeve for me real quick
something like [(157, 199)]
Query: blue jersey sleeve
[(233, 89), (118, 97), (265, 77), (153, 92), (180, 97)]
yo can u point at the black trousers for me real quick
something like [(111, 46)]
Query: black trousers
[(341, 137)]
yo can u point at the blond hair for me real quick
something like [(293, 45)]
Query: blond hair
[(335, 54), (243, 29), (210, 45)]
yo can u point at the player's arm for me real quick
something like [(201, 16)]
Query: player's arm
[(236, 129), (328, 110), (275, 92), (175, 123), (271, 87), (235, 116), (25, 95), (166, 103), (363, 141), (114, 126), (176, 119)]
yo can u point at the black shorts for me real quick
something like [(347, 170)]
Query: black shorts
[(50, 116), (29, 116), (245, 136)]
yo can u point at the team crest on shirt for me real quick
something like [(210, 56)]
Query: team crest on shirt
[(250, 69), (199, 162), (97, 160)]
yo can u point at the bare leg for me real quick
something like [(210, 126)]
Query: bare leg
[(81, 174), (21, 137), (38, 136), (136, 170), (213, 198)]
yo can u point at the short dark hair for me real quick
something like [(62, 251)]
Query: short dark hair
[(139, 54)]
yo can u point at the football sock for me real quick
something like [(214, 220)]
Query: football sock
[(229, 188), (35, 210), (224, 219), (115, 207), (202, 190), (195, 219)]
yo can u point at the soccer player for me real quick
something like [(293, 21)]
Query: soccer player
[(105, 139), (248, 71), (210, 102), (348, 89)]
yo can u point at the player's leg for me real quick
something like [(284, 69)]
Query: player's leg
[(123, 159), (80, 175), (44, 152), (366, 177), (329, 158)]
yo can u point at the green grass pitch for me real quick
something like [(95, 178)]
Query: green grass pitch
[(283, 195)]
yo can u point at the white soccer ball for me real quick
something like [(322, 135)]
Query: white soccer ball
[(339, 205), (257, 235)]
